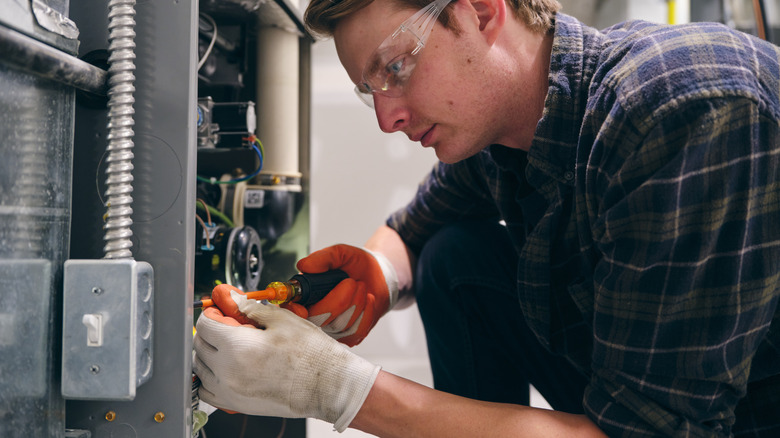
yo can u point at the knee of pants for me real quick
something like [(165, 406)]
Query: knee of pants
[(462, 253)]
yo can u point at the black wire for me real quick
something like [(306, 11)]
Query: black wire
[(260, 154)]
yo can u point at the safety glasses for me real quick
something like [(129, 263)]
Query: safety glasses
[(390, 66)]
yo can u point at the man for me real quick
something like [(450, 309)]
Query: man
[(633, 278)]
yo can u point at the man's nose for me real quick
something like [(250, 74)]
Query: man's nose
[(391, 113)]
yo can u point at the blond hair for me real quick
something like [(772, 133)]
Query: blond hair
[(322, 16)]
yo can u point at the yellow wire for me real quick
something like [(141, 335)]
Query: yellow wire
[(671, 11)]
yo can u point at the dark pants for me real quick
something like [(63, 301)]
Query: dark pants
[(478, 342)]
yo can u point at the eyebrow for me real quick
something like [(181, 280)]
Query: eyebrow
[(373, 64)]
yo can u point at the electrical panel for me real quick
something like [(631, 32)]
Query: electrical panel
[(249, 168), (214, 187), (252, 220)]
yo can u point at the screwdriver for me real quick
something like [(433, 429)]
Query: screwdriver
[(304, 289)]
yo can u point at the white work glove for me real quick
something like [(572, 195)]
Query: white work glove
[(286, 368)]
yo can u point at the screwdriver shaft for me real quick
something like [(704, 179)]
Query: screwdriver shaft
[(265, 294), (305, 289)]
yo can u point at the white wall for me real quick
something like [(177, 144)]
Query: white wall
[(609, 12), (359, 176)]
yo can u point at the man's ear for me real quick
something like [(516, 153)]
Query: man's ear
[(492, 16)]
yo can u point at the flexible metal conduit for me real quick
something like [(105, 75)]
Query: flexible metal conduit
[(119, 180)]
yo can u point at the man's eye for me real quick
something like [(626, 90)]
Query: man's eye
[(364, 88), (396, 66)]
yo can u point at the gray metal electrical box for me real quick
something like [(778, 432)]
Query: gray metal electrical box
[(107, 328)]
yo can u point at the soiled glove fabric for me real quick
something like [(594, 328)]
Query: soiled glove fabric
[(281, 366), (355, 305)]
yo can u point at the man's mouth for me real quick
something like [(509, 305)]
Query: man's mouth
[(427, 137)]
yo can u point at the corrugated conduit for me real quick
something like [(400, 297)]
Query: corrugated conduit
[(119, 177)]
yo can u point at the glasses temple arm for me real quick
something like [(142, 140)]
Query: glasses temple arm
[(421, 24)]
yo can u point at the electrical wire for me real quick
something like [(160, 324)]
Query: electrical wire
[(205, 207), (258, 147), (205, 231), (211, 43), (760, 15), (218, 214), (284, 426), (243, 426)]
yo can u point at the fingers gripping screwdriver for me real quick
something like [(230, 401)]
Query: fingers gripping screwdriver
[(304, 289)]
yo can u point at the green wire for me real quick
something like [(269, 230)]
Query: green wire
[(201, 206), (217, 213)]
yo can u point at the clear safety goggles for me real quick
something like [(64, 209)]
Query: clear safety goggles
[(389, 67)]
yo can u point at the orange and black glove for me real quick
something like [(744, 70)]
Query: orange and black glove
[(355, 305)]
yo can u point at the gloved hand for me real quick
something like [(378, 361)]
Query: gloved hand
[(285, 368), (355, 305), (221, 294)]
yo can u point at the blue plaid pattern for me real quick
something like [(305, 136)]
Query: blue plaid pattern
[(647, 220)]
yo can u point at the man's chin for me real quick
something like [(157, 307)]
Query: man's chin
[(446, 155)]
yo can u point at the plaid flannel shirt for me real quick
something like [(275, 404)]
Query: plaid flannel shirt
[(647, 219)]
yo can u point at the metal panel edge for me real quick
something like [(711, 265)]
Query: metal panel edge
[(164, 207)]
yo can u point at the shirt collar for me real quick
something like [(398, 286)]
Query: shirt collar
[(553, 150), (505, 158)]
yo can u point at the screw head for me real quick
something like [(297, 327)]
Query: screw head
[(97, 290), (110, 416), (94, 369), (159, 417)]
